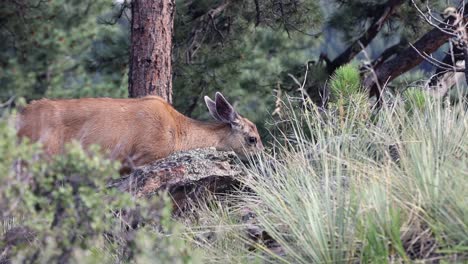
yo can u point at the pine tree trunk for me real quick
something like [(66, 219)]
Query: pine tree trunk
[(151, 48)]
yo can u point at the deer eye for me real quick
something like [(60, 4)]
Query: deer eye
[(252, 140)]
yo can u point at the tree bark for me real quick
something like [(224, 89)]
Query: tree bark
[(407, 59), (404, 61), (151, 48), (389, 52)]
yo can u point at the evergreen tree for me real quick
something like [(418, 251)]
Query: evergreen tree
[(45, 48), (248, 49)]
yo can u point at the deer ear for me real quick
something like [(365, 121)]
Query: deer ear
[(212, 108), (225, 111)]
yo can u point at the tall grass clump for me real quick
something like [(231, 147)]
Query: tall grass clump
[(351, 185), (390, 189)]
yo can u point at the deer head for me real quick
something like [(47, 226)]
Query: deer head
[(243, 137)]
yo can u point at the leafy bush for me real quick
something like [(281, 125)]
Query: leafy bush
[(60, 210), (348, 100)]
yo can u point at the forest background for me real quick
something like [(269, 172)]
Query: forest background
[(252, 51)]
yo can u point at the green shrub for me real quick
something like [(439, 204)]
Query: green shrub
[(348, 100), (61, 210), (345, 82)]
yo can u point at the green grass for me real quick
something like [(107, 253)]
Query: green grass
[(344, 189)]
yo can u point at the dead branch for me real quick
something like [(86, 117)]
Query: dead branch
[(8, 103), (389, 9), (404, 61), (200, 31), (440, 83), (456, 27), (387, 53), (443, 26), (415, 54), (121, 12), (257, 11)]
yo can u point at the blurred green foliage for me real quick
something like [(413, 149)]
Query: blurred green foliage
[(80, 48), (46, 46), (416, 99)]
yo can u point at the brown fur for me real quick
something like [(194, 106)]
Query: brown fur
[(130, 130)]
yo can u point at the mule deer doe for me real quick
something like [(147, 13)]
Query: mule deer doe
[(135, 131)]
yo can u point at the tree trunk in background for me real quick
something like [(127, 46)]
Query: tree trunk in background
[(151, 48)]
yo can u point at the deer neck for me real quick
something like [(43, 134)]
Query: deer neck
[(197, 134)]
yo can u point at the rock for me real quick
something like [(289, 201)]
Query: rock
[(188, 176), (185, 175)]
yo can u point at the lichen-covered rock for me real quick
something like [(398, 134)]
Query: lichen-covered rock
[(185, 175), (188, 176)]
